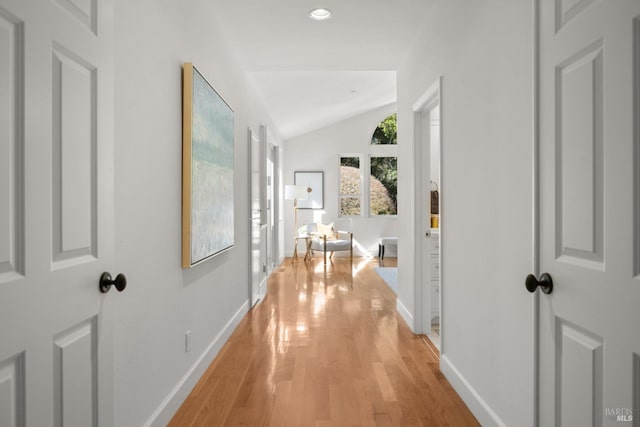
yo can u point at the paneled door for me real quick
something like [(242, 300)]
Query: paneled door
[(56, 212), (589, 330)]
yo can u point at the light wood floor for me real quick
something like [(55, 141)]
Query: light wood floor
[(325, 349)]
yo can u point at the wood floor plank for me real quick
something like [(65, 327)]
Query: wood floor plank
[(325, 348)]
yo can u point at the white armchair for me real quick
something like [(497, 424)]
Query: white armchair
[(326, 239)]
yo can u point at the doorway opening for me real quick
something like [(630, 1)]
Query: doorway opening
[(428, 177), (434, 222)]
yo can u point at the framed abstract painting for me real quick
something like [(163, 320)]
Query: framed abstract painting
[(207, 170)]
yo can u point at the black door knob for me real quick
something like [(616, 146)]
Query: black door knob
[(545, 283), (105, 282)]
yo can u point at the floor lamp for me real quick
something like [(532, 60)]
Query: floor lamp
[(295, 193)]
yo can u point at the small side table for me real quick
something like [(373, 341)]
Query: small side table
[(307, 245)]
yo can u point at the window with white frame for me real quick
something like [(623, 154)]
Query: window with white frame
[(386, 133), (383, 168), (369, 182), (350, 185), (383, 185)]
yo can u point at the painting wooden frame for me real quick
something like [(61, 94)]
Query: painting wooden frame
[(313, 180), (207, 170)]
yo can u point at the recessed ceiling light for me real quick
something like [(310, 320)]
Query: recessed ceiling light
[(320, 14)]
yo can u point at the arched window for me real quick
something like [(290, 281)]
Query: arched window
[(386, 133)]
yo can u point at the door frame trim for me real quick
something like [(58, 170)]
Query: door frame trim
[(535, 192)]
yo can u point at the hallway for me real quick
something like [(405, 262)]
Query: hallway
[(324, 349)]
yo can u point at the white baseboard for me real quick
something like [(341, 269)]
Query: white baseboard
[(405, 314), (480, 409), (167, 409)]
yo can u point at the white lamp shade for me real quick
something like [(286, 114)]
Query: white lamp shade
[(295, 192)]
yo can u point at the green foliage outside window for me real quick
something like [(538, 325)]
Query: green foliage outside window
[(384, 198), (385, 170), (387, 131), (354, 162)]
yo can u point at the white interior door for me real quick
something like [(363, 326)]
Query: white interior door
[(589, 342), (258, 221), (426, 237), (56, 212), (277, 173), (270, 210), (254, 192)]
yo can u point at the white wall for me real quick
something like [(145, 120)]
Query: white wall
[(320, 151), (434, 141), (483, 50), (162, 300)]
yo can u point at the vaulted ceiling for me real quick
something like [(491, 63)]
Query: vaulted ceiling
[(311, 74)]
